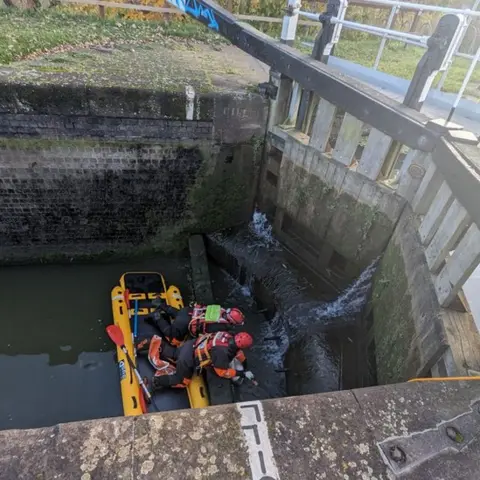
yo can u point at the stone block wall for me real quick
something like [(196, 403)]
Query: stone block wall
[(111, 128), (336, 220), (84, 171)]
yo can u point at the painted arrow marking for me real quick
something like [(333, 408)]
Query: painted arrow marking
[(252, 422)]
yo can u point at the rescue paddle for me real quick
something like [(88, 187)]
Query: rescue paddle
[(126, 296), (116, 336)]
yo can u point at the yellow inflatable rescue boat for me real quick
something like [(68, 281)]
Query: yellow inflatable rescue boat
[(139, 289)]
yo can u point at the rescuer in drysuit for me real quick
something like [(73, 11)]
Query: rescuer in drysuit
[(175, 366), (196, 320)]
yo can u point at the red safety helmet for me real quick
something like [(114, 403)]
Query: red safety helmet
[(243, 340), (235, 316)]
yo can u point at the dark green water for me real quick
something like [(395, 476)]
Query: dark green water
[(56, 362)]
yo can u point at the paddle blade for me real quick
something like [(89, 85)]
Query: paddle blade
[(116, 335), (143, 403), (126, 296)]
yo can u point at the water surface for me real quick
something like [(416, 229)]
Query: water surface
[(56, 362)]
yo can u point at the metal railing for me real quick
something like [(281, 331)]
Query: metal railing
[(465, 17)]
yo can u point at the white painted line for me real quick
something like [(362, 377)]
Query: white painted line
[(190, 94), (254, 427)]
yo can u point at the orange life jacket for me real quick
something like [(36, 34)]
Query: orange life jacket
[(154, 353), (205, 343)]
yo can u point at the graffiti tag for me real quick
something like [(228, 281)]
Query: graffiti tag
[(196, 9)]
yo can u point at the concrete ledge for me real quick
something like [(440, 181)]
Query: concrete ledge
[(219, 389), (200, 274), (336, 435)]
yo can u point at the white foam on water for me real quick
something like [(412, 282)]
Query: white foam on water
[(261, 228), (302, 320), (274, 348)]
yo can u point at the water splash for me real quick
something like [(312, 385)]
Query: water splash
[(274, 345), (311, 317), (261, 228), (299, 319)]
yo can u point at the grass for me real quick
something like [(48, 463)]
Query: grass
[(24, 32), (401, 62)]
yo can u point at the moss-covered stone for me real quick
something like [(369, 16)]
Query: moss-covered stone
[(222, 196), (394, 330), (168, 65)]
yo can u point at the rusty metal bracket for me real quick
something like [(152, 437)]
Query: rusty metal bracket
[(268, 90), (404, 454)]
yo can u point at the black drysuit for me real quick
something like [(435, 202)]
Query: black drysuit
[(176, 330)]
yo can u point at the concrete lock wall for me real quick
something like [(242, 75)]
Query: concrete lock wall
[(407, 327), (337, 222), (335, 219), (349, 434), (90, 171)]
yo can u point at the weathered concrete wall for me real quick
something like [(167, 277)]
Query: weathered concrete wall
[(337, 221), (348, 434), (413, 335), (86, 171), (120, 113), (408, 330), (332, 217)]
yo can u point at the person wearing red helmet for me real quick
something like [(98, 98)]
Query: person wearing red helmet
[(196, 320), (214, 350), (218, 350)]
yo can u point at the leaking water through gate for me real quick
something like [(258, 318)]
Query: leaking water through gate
[(316, 339)]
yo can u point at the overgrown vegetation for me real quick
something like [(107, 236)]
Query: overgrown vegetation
[(23, 32)]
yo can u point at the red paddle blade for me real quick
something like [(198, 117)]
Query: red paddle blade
[(126, 296), (116, 335), (143, 403)]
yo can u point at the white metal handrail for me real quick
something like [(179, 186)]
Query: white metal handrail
[(381, 31), (465, 16), (423, 7)]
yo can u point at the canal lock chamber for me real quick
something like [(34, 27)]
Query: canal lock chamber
[(124, 185)]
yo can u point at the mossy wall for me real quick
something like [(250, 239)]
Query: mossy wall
[(116, 170), (397, 355), (329, 210), (407, 325)]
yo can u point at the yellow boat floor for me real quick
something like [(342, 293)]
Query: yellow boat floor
[(142, 287)]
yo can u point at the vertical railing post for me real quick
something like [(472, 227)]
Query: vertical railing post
[(468, 75), (290, 22), (458, 45), (321, 51), (323, 43), (428, 66), (289, 29), (390, 22)]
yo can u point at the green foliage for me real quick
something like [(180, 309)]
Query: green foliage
[(23, 32), (399, 61)]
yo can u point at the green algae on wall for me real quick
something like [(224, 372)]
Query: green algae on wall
[(395, 337), (358, 230), (221, 197)]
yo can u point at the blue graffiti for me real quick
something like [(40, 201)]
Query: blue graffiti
[(197, 10)]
